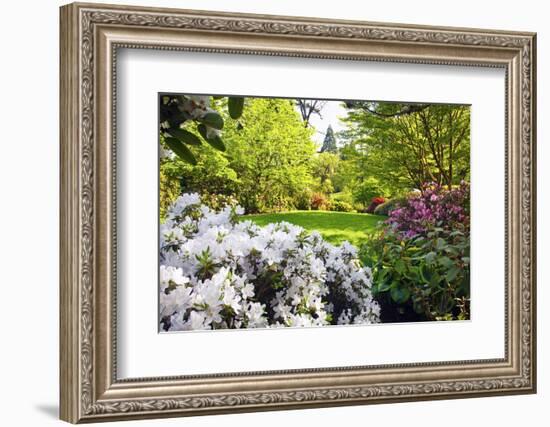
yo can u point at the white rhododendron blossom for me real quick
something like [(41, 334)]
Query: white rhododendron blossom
[(194, 107), (217, 272)]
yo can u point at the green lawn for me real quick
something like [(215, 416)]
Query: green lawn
[(335, 227)]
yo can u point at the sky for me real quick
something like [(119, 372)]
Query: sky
[(330, 114)]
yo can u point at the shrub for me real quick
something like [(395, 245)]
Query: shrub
[(347, 197), (302, 201), (218, 202), (376, 201), (388, 206), (217, 272), (343, 196), (169, 191), (421, 259), (434, 206), (319, 201), (367, 190), (426, 277), (340, 206)]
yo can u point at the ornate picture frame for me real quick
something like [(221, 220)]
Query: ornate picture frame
[(90, 37)]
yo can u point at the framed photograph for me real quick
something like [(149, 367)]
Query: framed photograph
[(267, 212)]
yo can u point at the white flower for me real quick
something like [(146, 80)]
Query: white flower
[(173, 291), (255, 314), (212, 132), (196, 106), (166, 154), (231, 298), (172, 274), (209, 292), (196, 321), (247, 291), (176, 300)]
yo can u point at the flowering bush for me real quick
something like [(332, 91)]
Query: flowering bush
[(420, 261), (217, 272), (433, 207), (319, 201), (389, 205), (420, 278), (376, 201)]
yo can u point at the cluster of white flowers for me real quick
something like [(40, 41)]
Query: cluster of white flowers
[(217, 272), (197, 107)]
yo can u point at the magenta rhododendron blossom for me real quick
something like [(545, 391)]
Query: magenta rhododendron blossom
[(434, 206)]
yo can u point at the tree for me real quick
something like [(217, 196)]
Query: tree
[(329, 143), (210, 174), (309, 107), (373, 107), (324, 168), (356, 177), (270, 151), (405, 146)]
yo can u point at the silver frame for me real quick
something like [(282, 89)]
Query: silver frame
[(90, 37)]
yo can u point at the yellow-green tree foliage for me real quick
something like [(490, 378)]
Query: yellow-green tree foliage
[(270, 150)]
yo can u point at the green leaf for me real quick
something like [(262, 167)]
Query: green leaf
[(384, 286), (185, 136), (446, 262), (202, 130), (213, 120), (464, 288), (399, 295), (235, 106), (430, 257), (177, 119), (181, 150), (440, 243), (215, 141), (400, 266), (451, 274), (426, 273), (413, 273), (435, 279), (451, 250)]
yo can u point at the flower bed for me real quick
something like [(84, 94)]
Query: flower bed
[(219, 273)]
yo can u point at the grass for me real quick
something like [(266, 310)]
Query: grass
[(335, 227)]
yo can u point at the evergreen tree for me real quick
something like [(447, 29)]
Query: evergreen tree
[(329, 143)]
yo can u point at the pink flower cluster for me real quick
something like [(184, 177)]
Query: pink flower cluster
[(434, 206)]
